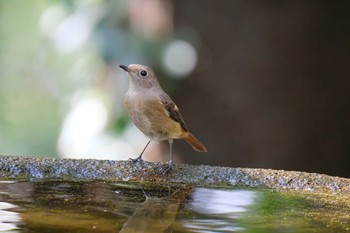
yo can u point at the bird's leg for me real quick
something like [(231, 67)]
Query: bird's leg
[(140, 156), (170, 165)]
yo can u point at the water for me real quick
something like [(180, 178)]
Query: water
[(57, 206)]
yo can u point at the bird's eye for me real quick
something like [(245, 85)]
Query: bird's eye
[(143, 73)]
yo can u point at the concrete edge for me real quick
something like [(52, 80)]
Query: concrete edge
[(29, 168)]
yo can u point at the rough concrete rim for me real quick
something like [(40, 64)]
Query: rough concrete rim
[(29, 168)]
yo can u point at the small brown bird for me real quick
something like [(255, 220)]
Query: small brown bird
[(152, 110)]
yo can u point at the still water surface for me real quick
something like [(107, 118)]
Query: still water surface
[(58, 206)]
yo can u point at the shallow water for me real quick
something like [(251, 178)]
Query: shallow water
[(57, 206)]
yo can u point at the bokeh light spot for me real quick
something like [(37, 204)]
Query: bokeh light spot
[(180, 59)]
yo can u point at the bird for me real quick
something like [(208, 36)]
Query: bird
[(153, 112)]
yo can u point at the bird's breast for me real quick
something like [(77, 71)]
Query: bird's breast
[(136, 107), (149, 115)]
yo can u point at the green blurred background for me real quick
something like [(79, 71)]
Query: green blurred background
[(261, 84)]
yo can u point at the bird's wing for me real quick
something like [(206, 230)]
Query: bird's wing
[(171, 110)]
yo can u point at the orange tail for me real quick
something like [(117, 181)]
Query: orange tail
[(197, 145)]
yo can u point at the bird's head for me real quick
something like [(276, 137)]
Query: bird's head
[(141, 76)]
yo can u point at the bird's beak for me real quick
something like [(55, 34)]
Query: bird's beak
[(124, 68)]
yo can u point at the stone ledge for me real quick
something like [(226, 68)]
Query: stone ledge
[(29, 168)]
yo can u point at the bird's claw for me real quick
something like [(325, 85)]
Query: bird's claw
[(170, 166), (138, 159)]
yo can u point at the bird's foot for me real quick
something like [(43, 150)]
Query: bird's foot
[(170, 166), (137, 160)]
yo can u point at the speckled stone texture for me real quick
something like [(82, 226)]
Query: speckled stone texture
[(24, 168)]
